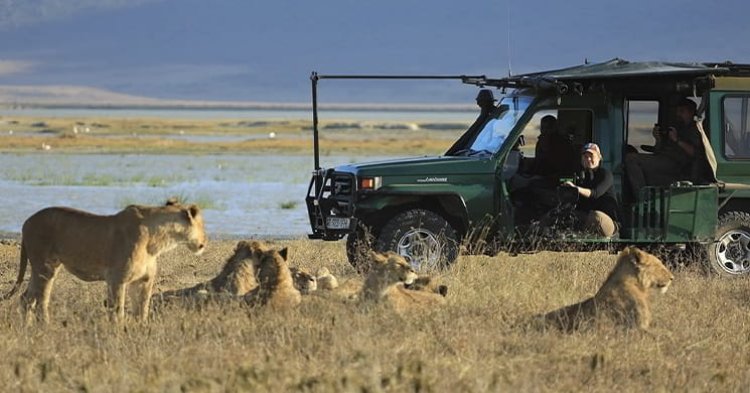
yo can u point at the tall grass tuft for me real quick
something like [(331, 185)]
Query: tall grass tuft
[(287, 205)]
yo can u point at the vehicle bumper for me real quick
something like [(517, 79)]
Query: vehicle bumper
[(330, 204)]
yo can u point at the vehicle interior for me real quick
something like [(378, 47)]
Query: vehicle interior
[(546, 155)]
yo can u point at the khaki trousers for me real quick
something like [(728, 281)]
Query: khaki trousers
[(597, 222)]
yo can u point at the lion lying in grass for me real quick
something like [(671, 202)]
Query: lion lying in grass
[(236, 279), (305, 282), (275, 283), (624, 297), (386, 280), (120, 249), (325, 280)]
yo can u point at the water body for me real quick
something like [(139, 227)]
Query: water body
[(242, 196)]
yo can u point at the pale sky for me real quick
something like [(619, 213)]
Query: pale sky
[(265, 50)]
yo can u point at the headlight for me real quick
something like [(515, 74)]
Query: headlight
[(370, 183)]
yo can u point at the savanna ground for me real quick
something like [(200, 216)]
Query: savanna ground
[(480, 341)]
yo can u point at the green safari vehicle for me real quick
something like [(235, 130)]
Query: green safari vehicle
[(430, 209)]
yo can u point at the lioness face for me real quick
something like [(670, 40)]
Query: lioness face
[(652, 272), (304, 281), (266, 261), (392, 267), (400, 270)]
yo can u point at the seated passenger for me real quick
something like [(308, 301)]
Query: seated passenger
[(596, 207), (554, 155), (534, 193), (673, 155)]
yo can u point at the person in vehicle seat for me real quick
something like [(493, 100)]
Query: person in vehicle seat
[(676, 148), (535, 191), (554, 155), (596, 208)]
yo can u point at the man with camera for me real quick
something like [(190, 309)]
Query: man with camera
[(673, 154)]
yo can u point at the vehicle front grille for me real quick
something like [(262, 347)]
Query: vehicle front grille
[(331, 194), (343, 185)]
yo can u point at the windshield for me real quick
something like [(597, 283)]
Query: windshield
[(497, 128)]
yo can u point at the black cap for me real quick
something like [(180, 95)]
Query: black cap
[(485, 95)]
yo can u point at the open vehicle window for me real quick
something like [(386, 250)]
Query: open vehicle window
[(641, 117), (736, 124), (494, 132), (573, 126)]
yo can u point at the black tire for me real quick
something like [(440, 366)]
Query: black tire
[(423, 237), (729, 255), (358, 245)]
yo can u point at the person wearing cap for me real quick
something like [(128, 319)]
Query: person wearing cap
[(485, 101), (673, 155), (596, 207)]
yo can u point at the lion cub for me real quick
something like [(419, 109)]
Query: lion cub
[(236, 277), (624, 297), (305, 282), (386, 280), (326, 280), (275, 283)]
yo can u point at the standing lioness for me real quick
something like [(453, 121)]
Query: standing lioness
[(120, 249)]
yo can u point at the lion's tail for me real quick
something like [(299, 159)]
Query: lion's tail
[(21, 273)]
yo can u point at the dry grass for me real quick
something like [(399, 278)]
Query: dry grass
[(478, 342)]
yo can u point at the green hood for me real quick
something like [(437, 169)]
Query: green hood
[(422, 166)]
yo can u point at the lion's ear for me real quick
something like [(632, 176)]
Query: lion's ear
[(193, 211), (395, 258), (173, 201), (283, 252), (632, 253), (377, 258), (638, 255), (257, 246), (241, 244)]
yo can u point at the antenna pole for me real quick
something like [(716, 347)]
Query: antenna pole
[(316, 148), (507, 4)]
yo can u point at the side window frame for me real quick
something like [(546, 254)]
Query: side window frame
[(628, 123), (535, 119), (743, 155)]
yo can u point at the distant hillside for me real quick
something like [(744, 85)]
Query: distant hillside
[(82, 96)]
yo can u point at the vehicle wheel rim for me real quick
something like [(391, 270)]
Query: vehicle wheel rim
[(732, 252), (420, 248)]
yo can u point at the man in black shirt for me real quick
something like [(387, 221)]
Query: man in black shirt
[(673, 156), (554, 154)]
